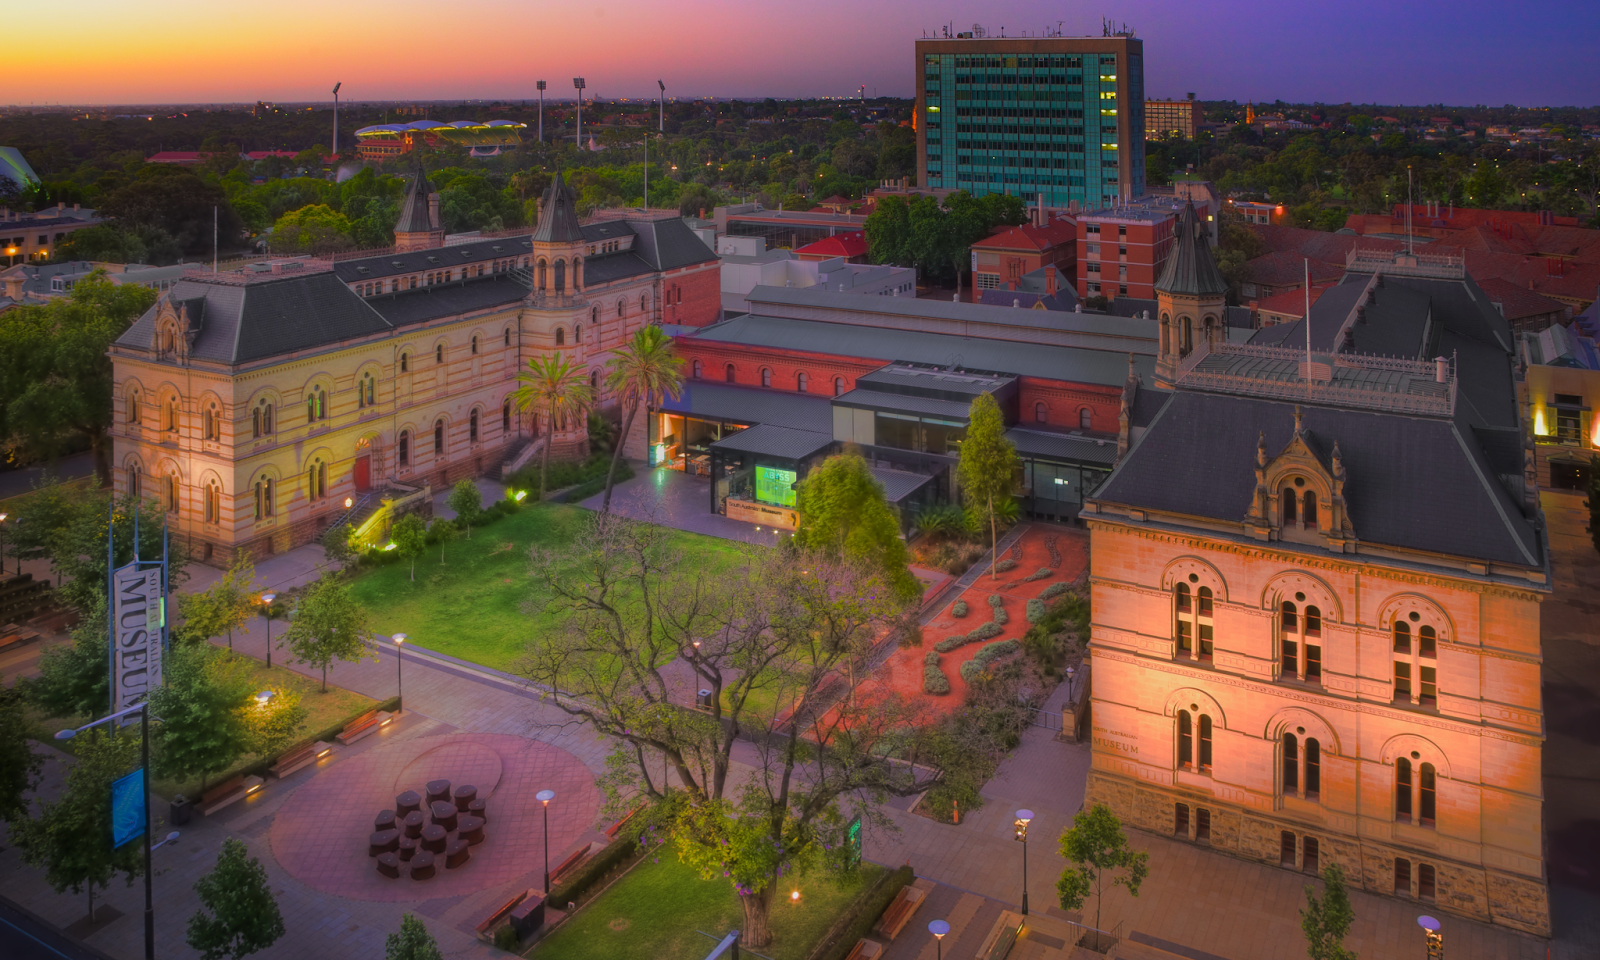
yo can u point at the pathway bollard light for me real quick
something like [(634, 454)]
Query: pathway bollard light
[(938, 928), (266, 609), (544, 797), (1023, 819), (399, 681)]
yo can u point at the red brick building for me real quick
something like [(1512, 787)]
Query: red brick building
[(1006, 257), (851, 246), (1122, 250)]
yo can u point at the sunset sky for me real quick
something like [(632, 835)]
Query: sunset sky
[(1421, 51)]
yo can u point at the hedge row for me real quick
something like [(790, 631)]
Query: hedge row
[(1054, 590), (862, 914), (1035, 610), (1000, 616), (933, 679), (1038, 574), (960, 609), (592, 871), (1004, 565), (989, 652)]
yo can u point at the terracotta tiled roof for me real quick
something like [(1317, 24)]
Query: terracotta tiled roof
[(853, 244), (1518, 302), (1031, 238), (1290, 303), (1284, 268)]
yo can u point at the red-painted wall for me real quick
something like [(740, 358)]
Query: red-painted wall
[(693, 295), (1063, 402), (785, 366)]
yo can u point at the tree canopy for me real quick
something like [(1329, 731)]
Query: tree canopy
[(988, 468), (244, 917), (843, 512), (328, 625)]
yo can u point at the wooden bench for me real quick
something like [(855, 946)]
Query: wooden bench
[(900, 910), (572, 860), (302, 756), (229, 791), (615, 828), (488, 923), (363, 725), (865, 950)]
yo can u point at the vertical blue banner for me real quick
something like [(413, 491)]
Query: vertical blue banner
[(128, 817)]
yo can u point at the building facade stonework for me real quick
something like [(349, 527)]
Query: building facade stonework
[(254, 404), (1315, 593)]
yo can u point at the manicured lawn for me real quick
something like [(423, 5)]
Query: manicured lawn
[(659, 910), (473, 606)]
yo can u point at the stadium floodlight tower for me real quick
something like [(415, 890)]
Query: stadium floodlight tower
[(540, 85), (578, 85), (336, 87), (662, 100)]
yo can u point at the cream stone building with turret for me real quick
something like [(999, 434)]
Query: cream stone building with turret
[(1316, 586), (254, 403)]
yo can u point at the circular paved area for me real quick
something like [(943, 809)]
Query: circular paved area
[(320, 834)]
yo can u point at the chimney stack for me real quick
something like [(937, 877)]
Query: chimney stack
[(1441, 369)]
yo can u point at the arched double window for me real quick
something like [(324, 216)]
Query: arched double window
[(316, 405), (266, 504), (1416, 663), (403, 448), (1416, 788), (1298, 505), (1302, 767), (261, 419), (1300, 640), (211, 422), (1194, 742), (316, 480), (135, 479), (800, 382), (472, 427), (438, 439), (1194, 631), (213, 505), (1041, 413), (172, 492), (366, 391)]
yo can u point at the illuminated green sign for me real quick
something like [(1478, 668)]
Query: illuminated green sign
[(774, 485)]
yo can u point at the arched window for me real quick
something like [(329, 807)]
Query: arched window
[(1041, 413), (366, 391), (265, 502), (577, 331), (1194, 742), (729, 374), (1427, 795), (508, 336), (766, 377), (261, 419), (594, 383), (644, 302), (172, 414), (1185, 740), (1290, 501), (472, 427), (543, 266), (1415, 661), (1302, 767), (695, 370), (622, 308), (1204, 762), (133, 406), (474, 344), (561, 337), (800, 382), (1313, 777), (213, 506), (1085, 419), (1300, 642), (438, 439), (405, 363), (172, 493), (1194, 620), (1403, 789), (316, 405), (561, 277), (505, 417), (135, 486), (210, 425), (438, 353), (317, 480), (1185, 336), (838, 386), (404, 448), (1291, 765), (1183, 604), (1308, 509)]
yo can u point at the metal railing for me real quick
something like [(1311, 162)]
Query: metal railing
[(1391, 397)]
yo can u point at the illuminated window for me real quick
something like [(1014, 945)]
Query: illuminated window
[(316, 405), (317, 480)]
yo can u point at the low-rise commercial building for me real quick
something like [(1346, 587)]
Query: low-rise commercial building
[(1003, 259), (34, 236)]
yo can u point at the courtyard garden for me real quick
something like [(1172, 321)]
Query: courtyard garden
[(473, 603)]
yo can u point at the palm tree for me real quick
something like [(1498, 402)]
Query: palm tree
[(556, 385), (640, 372)]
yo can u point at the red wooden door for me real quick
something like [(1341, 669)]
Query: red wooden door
[(363, 473)]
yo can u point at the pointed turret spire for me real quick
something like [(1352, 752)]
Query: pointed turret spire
[(1190, 269), (414, 209), (558, 214)]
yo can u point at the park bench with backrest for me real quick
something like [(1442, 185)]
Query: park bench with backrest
[(487, 923), (363, 725), (865, 950), (231, 790), (302, 756), (900, 910), (573, 859)]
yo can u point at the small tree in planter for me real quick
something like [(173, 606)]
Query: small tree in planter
[(410, 539), (467, 501), (244, 916), (1095, 848)]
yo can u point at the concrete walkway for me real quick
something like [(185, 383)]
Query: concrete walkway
[(675, 499)]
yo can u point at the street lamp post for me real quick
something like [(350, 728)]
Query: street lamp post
[(544, 797), (938, 928), (3, 546), (578, 85), (1023, 818), (540, 85), (662, 102), (143, 710), (336, 122), (399, 679), (266, 609), (1431, 930)]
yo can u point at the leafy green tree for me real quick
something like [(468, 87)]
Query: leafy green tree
[(412, 942), (225, 606), (1327, 920), (55, 371), (328, 625), (988, 468), (1095, 848), (888, 230), (443, 532), (558, 387), (177, 202), (105, 243), (71, 837), (314, 229), (843, 513), (273, 725), (244, 916), (410, 537), (467, 501), (637, 373), (202, 707), (75, 678), (20, 767)]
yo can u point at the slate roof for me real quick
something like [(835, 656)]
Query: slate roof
[(770, 440), (736, 404), (669, 244), (905, 403), (1518, 302), (438, 258), (1412, 482), (1190, 270), (448, 300), (558, 215), (613, 266), (899, 484), (245, 322)]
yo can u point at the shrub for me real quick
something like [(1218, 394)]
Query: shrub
[(592, 871), (506, 938), (933, 679), (950, 643), (867, 910), (1035, 610), (989, 652), (1004, 565), (1038, 574), (1054, 590), (960, 609), (1000, 616), (985, 631)]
